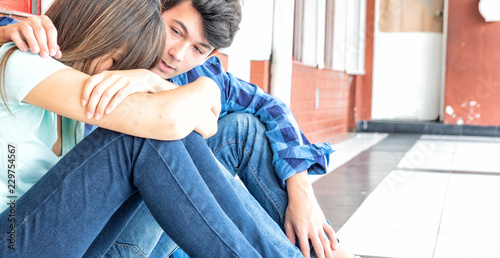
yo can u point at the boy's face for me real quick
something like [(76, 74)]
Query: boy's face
[(185, 45)]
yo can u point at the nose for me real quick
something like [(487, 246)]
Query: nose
[(178, 51)]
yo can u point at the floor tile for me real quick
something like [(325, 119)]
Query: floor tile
[(476, 162), (434, 145), (466, 246), (400, 218), (343, 190), (472, 206), (477, 147), (401, 202), (350, 148), (443, 201), (421, 159), (385, 243)]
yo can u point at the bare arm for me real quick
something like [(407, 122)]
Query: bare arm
[(169, 115), (305, 220), (103, 92)]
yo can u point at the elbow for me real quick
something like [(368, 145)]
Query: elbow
[(171, 128)]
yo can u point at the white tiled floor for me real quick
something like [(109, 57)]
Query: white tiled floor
[(426, 209), (348, 149)]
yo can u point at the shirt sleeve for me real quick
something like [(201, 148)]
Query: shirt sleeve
[(292, 152), (4, 21), (19, 65)]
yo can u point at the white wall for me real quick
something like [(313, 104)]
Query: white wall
[(45, 4), (407, 71), (254, 39)]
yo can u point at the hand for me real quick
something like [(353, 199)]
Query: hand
[(104, 91), (305, 220), (36, 31)]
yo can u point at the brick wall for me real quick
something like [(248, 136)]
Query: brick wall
[(330, 121), (472, 86), (259, 74)]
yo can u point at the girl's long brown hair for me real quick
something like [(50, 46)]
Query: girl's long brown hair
[(88, 29)]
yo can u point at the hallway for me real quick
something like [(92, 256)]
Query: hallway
[(399, 195)]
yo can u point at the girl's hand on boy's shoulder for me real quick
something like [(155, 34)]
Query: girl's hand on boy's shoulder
[(37, 33), (103, 92)]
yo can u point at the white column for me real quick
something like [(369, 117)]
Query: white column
[(320, 33), (281, 63), (45, 4)]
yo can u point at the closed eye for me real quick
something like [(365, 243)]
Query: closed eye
[(197, 49), (176, 32)]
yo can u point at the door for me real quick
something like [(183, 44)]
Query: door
[(408, 54)]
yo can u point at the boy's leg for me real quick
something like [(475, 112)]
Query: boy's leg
[(242, 147), (139, 237)]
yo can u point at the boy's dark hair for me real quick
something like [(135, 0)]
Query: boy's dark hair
[(221, 19)]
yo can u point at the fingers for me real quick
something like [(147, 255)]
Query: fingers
[(41, 39), (325, 245), (18, 40), (318, 246), (58, 53), (304, 245), (123, 92), (51, 36), (89, 87), (29, 36), (40, 35), (331, 233), (102, 92), (290, 232)]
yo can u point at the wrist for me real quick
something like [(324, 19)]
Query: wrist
[(300, 179), (299, 186)]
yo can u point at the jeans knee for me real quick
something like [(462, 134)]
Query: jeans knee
[(247, 122)]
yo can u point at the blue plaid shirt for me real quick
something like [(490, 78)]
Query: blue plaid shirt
[(5, 20), (292, 152)]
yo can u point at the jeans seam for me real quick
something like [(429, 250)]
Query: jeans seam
[(113, 253), (282, 216), (69, 176), (210, 226), (129, 247), (173, 251)]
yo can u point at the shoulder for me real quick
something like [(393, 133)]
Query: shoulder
[(211, 68), (213, 65), (25, 60), (24, 71)]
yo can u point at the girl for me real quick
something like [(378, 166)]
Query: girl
[(69, 198)]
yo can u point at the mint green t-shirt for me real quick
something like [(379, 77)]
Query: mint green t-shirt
[(29, 133)]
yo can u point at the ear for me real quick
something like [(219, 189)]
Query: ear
[(212, 54)]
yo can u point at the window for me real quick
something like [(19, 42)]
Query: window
[(355, 38), (329, 34), (349, 22), (298, 30)]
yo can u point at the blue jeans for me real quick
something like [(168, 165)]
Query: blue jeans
[(242, 148), (82, 204)]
